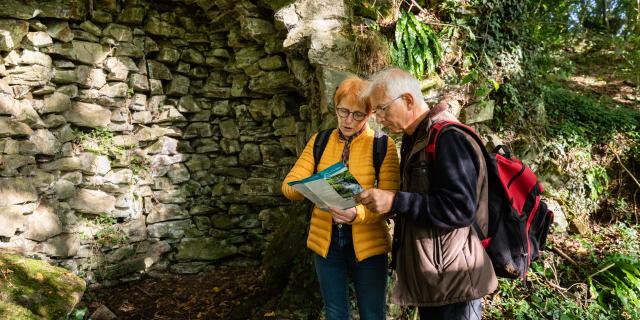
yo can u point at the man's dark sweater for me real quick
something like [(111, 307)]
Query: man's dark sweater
[(451, 200)]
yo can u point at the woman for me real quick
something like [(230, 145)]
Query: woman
[(352, 242)]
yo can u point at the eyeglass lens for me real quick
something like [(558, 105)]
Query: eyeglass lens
[(357, 115)]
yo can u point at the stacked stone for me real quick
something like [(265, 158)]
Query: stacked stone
[(199, 98)]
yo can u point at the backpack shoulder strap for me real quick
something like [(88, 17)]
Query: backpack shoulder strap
[(319, 145), (434, 133), (440, 126), (380, 140)]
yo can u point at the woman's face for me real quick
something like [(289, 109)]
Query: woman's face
[(352, 116)]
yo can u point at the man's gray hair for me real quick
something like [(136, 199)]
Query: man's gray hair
[(396, 82)]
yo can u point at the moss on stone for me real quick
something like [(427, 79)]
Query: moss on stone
[(373, 9), (16, 312), (33, 288), (277, 4)]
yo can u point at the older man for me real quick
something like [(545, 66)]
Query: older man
[(440, 264)]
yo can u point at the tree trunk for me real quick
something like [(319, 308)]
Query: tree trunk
[(636, 28), (605, 20), (584, 11)]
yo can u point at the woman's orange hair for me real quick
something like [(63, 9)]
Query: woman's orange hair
[(351, 89)]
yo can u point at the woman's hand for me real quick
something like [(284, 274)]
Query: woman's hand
[(343, 216)]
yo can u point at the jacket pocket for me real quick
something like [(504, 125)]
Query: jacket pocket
[(419, 171), (437, 250)]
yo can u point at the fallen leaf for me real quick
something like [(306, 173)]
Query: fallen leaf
[(126, 307), (270, 314)]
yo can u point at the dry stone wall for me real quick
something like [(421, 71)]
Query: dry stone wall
[(148, 135)]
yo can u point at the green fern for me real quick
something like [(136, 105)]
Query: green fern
[(618, 285), (416, 47)]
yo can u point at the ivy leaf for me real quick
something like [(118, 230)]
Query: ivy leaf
[(472, 36), (488, 61), (471, 76), (495, 84), (482, 91)]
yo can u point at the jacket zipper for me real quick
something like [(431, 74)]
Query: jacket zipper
[(513, 179), (437, 250)]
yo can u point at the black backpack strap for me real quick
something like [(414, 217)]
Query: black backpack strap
[(440, 127), (435, 131), (318, 146), (380, 140)]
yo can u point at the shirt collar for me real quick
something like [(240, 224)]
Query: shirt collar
[(345, 138)]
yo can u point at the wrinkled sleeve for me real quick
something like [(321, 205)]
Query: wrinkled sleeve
[(451, 201), (303, 168), (389, 180)]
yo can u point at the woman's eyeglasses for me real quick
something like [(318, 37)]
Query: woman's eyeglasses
[(357, 115)]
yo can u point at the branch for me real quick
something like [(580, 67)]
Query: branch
[(625, 169), (560, 289), (564, 255), (442, 24), (143, 291), (602, 270), (414, 3)]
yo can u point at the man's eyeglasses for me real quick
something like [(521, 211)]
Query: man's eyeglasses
[(382, 108), (357, 115)]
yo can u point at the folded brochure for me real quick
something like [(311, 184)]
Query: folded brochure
[(332, 187)]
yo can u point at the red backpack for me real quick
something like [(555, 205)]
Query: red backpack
[(518, 221)]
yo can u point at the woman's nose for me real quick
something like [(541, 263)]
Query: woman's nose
[(349, 118)]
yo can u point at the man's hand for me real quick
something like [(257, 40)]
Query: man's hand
[(343, 216), (376, 200)]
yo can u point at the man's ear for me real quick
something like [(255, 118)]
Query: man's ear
[(409, 100)]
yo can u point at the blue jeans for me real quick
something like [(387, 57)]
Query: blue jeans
[(369, 277), (468, 310)]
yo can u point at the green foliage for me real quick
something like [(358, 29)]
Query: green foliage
[(99, 140), (575, 115), (588, 290), (372, 9), (484, 86), (78, 314), (628, 241), (627, 51), (416, 47), (617, 285), (621, 210), (501, 26), (449, 9), (138, 164), (110, 234), (539, 301), (597, 181)]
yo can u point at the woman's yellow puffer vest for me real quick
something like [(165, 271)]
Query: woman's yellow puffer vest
[(370, 230)]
